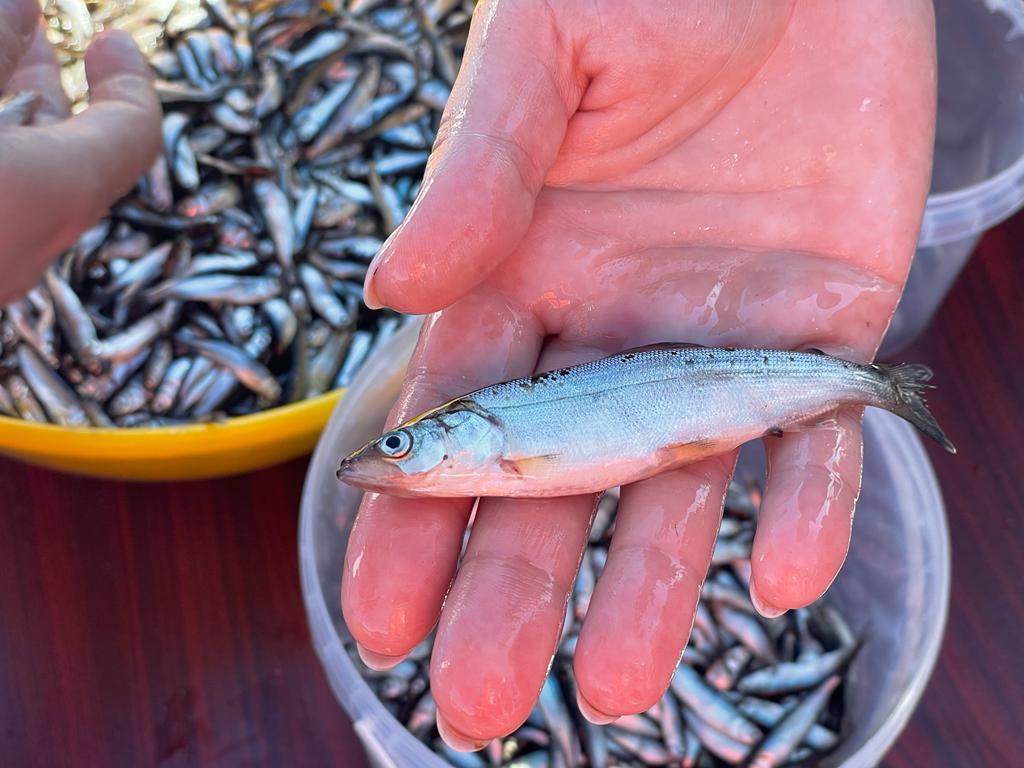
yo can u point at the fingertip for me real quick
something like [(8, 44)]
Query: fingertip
[(411, 281), (455, 739), (779, 586), (762, 606), (113, 52), (379, 662), (592, 713)]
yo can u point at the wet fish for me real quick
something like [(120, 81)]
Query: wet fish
[(622, 419), (747, 628), (780, 744), (712, 707), (24, 401), (325, 365), (769, 713), (248, 371), (215, 263), (358, 349), (132, 339), (170, 384), (130, 399), (233, 289), (650, 751), (722, 745), (57, 398), (277, 212), (74, 320), (786, 677), (556, 717), (724, 671), (322, 299), (157, 365)]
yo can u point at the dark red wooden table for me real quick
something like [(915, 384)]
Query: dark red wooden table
[(163, 624)]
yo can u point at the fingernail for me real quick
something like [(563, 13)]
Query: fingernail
[(117, 38), (592, 714), (456, 740), (378, 661), (370, 297), (767, 610)]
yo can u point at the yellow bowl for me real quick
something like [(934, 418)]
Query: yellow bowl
[(189, 452)]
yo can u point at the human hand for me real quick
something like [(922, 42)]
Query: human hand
[(611, 174), (61, 173)]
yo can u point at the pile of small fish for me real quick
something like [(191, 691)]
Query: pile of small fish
[(230, 280), (749, 691)]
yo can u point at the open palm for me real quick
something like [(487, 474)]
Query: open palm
[(611, 174)]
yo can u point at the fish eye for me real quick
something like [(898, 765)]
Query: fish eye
[(396, 444)]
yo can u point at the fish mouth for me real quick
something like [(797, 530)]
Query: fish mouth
[(370, 475), (349, 472), (356, 470)]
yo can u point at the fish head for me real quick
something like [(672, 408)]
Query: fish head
[(429, 455)]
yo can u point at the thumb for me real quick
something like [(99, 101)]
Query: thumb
[(499, 135)]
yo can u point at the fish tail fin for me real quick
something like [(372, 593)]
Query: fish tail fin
[(909, 380)]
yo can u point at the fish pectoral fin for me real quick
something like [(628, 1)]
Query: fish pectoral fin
[(682, 453), (527, 465)]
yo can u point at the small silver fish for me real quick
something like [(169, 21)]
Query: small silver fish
[(712, 706), (157, 365), (277, 212), (716, 742), (362, 342), (322, 299), (167, 391), (723, 672), (786, 677), (248, 371), (769, 713), (233, 289), (556, 716), (747, 628), (779, 745), (57, 398), (27, 405), (623, 419)]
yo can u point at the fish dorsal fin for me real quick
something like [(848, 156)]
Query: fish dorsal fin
[(663, 346)]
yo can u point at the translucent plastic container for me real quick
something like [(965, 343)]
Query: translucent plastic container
[(894, 588), (978, 171)]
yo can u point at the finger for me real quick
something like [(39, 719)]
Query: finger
[(120, 131), (502, 619), (18, 27), (803, 529), (642, 609), (500, 132), (402, 552), (39, 71)]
